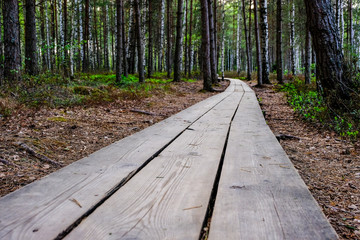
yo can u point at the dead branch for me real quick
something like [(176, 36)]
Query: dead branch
[(143, 112), (8, 163), (286, 137), (38, 155)]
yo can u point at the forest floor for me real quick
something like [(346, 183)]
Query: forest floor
[(329, 165), (65, 135)]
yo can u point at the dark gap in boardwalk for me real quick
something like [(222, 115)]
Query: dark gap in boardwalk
[(112, 191), (205, 229)]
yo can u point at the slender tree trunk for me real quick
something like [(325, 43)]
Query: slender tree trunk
[(215, 37), (124, 52), (247, 43), (307, 55), (31, 63), (168, 33), (331, 70), (238, 39), (205, 38), (43, 37), (118, 40), (264, 41), (223, 42), (179, 29), (162, 30), (85, 66), (150, 46), (350, 26), (214, 78), (258, 48), (279, 70), (139, 41), (292, 37), (106, 37), (186, 38), (250, 43), (12, 53), (190, 39)]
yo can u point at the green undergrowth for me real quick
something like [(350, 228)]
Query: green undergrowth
[(53, 90), (308, 103)]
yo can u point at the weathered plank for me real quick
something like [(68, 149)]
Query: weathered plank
[(261, 195), (168, 198), (47, 207)]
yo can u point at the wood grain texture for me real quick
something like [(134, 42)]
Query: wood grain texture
[(261, 195), (168, 198), (45, 208)]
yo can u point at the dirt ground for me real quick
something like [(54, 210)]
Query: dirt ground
[(68, 134), (329, 165)]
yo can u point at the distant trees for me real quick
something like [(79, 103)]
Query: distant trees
[(144, 37)]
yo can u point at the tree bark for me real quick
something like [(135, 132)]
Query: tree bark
[(150, 46), (190, 39), (140, 49), (279, 70), (85, 65), (31, 60), (264, 41), (168, 33), (119, 39), (292, 37), (247, 43), (205, 40), (257, 37), (179, 30), (106, 37), (214, 78), (1, 50), (307, 55), (238, 39), (331, 70), (12, 53), (124, 49), (161, 40)]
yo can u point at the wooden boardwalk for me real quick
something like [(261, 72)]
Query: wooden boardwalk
[(215, 165)]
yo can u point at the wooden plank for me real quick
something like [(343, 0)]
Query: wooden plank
[(261, 195), (168, 198), (45, 208)]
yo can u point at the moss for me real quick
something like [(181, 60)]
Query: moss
[(58, 119)]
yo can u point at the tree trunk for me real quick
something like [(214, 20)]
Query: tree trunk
[(223, 42), (330, 60), (124, 51), (214, 78), (247, 43), (190, 39), (250, 44), (179, 30), (292, 38), (150, 46), (140, 49), (279, 70), (12, 53), (307, 55), (31, 63), (238, 39), (119, 39), (106, 37), (205, 40), (186, 38), (85, 66), (161, 41), (43, 37), (264, 41), (257, 37), (168, 33)]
